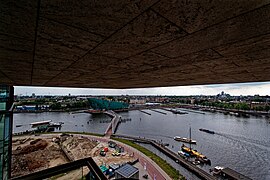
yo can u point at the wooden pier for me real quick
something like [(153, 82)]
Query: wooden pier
[(158, 111), (175, 111), (145, 112), (187, 110), (185, 163)]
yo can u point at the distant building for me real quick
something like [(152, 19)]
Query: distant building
[(26, 108), (127, 171), (137, 101)]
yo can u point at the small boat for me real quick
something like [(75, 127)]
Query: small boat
[(166, 144), (53, 124), (196, 162), (216, 170), (186, 140), (207, 131), (183, 154)]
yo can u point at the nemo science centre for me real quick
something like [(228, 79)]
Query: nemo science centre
[(100, 105)]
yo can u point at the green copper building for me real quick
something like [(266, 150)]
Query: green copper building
[(101, 104)]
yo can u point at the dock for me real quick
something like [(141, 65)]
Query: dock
[(232, 174), (187, 110), (175, 111), (185, 163), (145, 112), (158, 111)]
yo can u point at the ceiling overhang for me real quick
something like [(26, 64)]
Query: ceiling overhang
[(133, 44)]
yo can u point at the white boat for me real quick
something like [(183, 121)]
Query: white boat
[(183, 154), (217, 170), (186, 140), (53, 124)]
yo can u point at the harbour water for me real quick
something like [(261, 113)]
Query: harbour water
[(242, 144)]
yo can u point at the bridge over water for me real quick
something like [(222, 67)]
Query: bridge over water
[(111, 129)]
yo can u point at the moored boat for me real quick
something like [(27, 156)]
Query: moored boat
[(207, 131), (186, 140), (195, 153), (216, 170), (53, 124), (183, 154)]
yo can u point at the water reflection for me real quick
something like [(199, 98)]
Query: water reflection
[(242, 144)]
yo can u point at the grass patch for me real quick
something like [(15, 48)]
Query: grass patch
[(172, 172)]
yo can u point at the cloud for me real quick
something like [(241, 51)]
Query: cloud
[(261, 88)]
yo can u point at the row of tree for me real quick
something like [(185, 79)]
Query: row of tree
[(239, 105), (77, 104)]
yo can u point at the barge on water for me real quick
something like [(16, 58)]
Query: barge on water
[(207, 131), (194, 153), (46, 124), (228, 173)]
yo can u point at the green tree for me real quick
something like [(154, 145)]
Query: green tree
[(55, 106)]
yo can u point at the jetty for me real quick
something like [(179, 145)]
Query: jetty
[(174, 111), (188, 110), (158, 111), (145, 112)]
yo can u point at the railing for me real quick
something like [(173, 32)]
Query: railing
[(47, 173)]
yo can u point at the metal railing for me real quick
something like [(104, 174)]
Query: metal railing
[(50, 172)]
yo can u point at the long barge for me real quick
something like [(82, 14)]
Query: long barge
[(207, 131)]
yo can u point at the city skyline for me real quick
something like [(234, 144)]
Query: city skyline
[(235, 89)]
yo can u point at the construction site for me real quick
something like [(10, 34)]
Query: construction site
[(35, 153)]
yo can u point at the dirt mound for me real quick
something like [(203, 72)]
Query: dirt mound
[(25, 163), (35, 141), (38, 145)]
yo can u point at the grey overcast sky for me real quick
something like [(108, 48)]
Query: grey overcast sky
[(261, 88)]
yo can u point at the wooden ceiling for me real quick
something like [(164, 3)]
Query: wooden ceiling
[(132, 44)]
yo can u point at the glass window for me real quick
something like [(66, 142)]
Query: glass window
[(3, 98), (1, 167), (2, 105), (2, 121), (7, 123), (1, 146)]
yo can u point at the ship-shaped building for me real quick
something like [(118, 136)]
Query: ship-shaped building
[(104, 105)]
